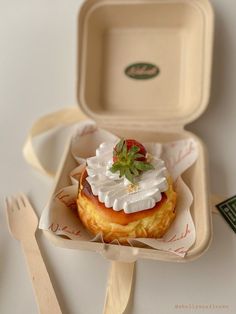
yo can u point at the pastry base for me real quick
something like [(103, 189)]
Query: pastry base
[(151, 223)]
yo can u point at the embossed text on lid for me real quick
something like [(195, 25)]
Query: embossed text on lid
[(142, 71)]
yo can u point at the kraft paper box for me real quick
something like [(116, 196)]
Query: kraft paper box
[(144, 70)]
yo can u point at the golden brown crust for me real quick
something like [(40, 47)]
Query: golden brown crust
[(119, 217), (97, 218)]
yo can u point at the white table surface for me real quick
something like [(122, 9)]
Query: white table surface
[(37, 76)]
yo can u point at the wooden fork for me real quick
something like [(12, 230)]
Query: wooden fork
[(23, 222)]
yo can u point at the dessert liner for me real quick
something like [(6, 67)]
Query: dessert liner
[(61, 218)]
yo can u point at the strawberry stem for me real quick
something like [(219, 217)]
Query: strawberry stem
[(127, 160)]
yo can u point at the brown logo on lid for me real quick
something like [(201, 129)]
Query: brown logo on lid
[(142, 71)]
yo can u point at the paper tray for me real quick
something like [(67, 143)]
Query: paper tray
[(196, 178)]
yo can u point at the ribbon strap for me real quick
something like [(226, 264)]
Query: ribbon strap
[(119, 287), (63, 117)]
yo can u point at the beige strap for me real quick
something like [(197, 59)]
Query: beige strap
[(119, 287), (63, 117)]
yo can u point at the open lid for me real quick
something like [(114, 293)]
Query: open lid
[(146, 61)]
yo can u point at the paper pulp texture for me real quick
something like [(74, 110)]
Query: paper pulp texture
[(60, 216)]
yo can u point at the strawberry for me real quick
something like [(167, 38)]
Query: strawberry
[(129, 158), (130, 143)]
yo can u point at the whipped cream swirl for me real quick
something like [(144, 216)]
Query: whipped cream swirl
[(119, 193)]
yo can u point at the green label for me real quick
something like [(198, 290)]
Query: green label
[(142, 71), (228, 211)]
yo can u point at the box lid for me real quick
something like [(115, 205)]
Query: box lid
[(145, 62)]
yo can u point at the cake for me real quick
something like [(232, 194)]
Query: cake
[(125, 192)]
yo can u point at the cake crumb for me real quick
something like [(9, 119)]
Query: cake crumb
[(132, 188), (149, 157)]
